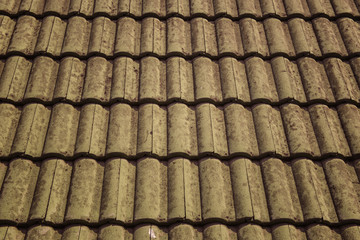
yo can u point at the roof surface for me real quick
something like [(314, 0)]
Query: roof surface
[(180, 119)]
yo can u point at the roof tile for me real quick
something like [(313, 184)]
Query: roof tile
[(54, 6), (128, 33), (228, 37), (153, 37), (203, 37), (178, 36), (175, 7), (345, 7), (9, 116), (349, 115), (157, 7), (102, 37), (350, 32), (297, 8), (109, 7), (227, 7), (253, 37), (249, 7), (199, 7), (85, 7), (7, 26), (321, 7), (273, 8)]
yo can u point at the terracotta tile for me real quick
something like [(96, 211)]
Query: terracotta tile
[(14, 78), (227, 7), (178, 38), (297, 8), (9, 117), (211, 131), (179, 79), (328, 131), (350, 32), (204, 8), (11, 6), (184, 190), (7, 26), (85, 191), (253, 37), (299, 131), (24, 36), (233, 78), (18, 190), (127, 39), (118, 191), (252, 231), (125, 79), (207, 80), (60, 7), (50, 198), (77, 36), (249, 194), (175, 7), (321, 7), (288, 80), (280, 189), (219, 231), (249, 7), (215, 179), (345, 7), (349, 116), (151, 190), (273, 8), (157, 7), (240, 129), (70, 79), (134, 7), (31, 131), (102, 37), (51, 36), (261, 80), (85, 7), (153, 37), (203, 37), (329, 37), (152, 79), (108, 7), (304, 38), (98, 77), (152, 130), (228, 37), (182, 136), (92, 131), (278, 37), (61, 135), (122, 131), (315, 80), (42, 79)]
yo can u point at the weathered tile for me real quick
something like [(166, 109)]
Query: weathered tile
[(228, 37), (261, 80), (249, 7), (175, 7), (153, 37), (128, 34), (184, 190), (18, 190), (60, 7), (9, 118), (51, 36), (149, 231), (102, 37), (269, 130), (125, 79), (10, 232), (216, 193), (207, 80), (288, 80), (11, 6), (118, 191), (355, 65), (350, 32), (178, 39), (182, 136), (328, 130), (253, 37), (122, 131), (349, 116), (347, 7), (61, 135), (303, 37), (50, 198), (278, 37), (35, 7), (299, 131), (92, 131), (7, 26), (109, 232), (25, 35), (42, 233), (321, 232), (273, 8), (233, 78), (240, 130), (227, 7), (79, 232), (77, 37), (70, 80), (280, 189), (252, 231), (321, 7), (85, 191), (249, 194), (203, 37), (84, 7), (108, 7), (313, 191), (152, 79), (151, 190), (211, 131), (14, 78), (329, 37), (31, 131), (155, 7), (203, 8), (315, 80), (3, 168), (219, 231), (179, 79), (342, 80), (286, 231), (185, 231), (297, 8), (42, 79), (152, 131), (97, 85), (350, 232)]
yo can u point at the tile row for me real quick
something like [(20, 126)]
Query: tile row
[(36, 131), (148, 190), (184, 8), (183, 232), (80, 37), (151, 80)]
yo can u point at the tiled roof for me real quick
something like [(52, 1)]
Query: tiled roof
[(180, 119)]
